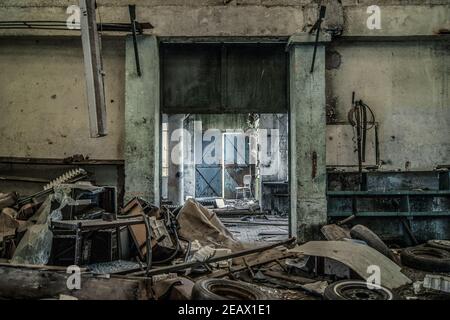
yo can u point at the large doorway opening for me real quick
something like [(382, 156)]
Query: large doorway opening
[(224, 133)]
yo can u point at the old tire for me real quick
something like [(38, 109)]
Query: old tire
[(426, 259), (222, 289), (363, 233), (356, 290), (439, 244)]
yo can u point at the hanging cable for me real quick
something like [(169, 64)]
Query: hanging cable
[(359, 120)]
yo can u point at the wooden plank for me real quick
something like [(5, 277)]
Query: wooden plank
[(26, 283), (93, 69)]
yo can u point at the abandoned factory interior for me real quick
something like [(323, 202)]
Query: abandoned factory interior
[(169, 150)]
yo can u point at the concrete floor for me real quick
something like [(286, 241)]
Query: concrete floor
[(251, 232)]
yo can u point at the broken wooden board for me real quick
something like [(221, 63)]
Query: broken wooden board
[(359, 258), (29, 283)]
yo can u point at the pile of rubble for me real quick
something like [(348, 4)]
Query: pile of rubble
[(404, 271), (145, 252), (141, 249)]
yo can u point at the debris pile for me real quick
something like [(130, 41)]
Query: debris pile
[(43, 236), (147, 252)]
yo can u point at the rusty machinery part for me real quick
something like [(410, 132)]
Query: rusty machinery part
[(363, 233), (426, 259), (172, 227), (222, 289), (440, 244), (357, 117), (357, 290), (66, 177), (193, 264)]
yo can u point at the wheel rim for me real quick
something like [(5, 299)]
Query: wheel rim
[(360, 291)]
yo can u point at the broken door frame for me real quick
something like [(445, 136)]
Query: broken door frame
[(307, 129)]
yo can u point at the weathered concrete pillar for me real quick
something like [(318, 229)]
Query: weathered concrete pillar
[(307, 133), (142, 121)]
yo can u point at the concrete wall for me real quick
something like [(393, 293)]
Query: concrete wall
[(407, 86), (244, 17), (42, 97), (43, 102), (42, 94)]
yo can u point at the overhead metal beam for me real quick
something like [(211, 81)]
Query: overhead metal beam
[(93, 69)]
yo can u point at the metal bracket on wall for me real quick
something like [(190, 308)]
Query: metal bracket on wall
[(317, 28), (135, 27)]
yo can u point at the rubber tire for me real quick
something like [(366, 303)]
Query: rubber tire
[(222, 289), (426, 258), (363, 233), (334, 290), (440, 244)]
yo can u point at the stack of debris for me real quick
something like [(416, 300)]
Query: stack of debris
[(358, 249), (230, 207), (148, 252), (44, 236)]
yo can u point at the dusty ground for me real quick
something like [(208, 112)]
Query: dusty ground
[(285, 294), (407, 292)]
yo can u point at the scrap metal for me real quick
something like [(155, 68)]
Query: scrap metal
[(93, 67), (188, 265), (317, 28)]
